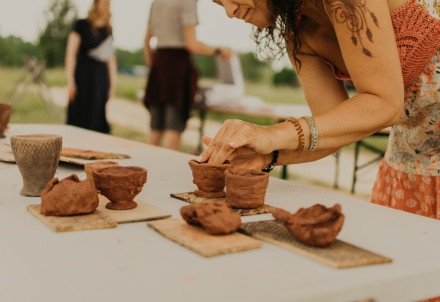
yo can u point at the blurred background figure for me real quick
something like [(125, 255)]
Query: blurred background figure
[(90, 68), (172, 80)]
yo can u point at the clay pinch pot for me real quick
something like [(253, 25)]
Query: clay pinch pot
[(5, 115), (69, 196), (246, 188), (216, 218), (89, 168), (120, 185), (209, 179), (316, 225)]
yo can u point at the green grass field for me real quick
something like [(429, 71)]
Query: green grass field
[(32, 109)]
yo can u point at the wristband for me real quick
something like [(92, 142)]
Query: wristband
[(273, 162)]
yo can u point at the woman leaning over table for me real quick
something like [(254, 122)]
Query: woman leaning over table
[(391, 52), (91, 68)]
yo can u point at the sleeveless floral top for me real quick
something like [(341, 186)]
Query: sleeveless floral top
[(414, 145)]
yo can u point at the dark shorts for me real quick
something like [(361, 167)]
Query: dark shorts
[(166, 117)]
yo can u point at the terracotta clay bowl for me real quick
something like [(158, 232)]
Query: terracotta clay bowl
[(209, 179), (89, 168), (5, 115), (246, 188), (120, 185)]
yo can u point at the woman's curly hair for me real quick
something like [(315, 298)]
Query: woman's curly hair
[(272, 41)]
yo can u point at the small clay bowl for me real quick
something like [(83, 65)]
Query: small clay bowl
[(246, 188), (209, 179), (120, 185)]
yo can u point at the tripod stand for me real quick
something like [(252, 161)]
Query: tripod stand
[(32, 73)]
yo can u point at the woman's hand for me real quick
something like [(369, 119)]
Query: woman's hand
[(72, 92), (245, 157), (241, 141)]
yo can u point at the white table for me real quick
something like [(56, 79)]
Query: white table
[(134, 263)]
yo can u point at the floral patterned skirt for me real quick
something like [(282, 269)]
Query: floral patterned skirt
[(418, 194)]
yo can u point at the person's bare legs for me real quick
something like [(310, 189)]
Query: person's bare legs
[(155, 137), (172, 139)]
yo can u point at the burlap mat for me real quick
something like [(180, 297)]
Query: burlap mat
[(339, 254)]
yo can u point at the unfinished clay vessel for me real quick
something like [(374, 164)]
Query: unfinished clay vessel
[(120, 185), (37, 157), (89, 168), (316, 226), (5, 115), (246, 188), (209, 179), (69, 196), (215, 217)]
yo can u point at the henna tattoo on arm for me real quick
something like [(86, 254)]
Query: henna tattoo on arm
[(354, 14)]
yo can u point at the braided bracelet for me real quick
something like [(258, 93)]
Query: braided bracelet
[(301, 139), (313, 133)]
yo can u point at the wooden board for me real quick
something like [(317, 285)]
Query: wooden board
[(189, 197), (95, 220), (91, 154), (339, 254), (197, 240), (143, 212)]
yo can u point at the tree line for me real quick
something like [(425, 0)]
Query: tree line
[(52, 40)]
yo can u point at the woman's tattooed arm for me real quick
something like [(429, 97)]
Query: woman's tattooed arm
[(355, 15)]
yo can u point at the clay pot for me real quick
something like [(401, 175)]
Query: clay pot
[(89, 168), (216, 218), (120, 185), (209, 179), (5, 115), (37, 157), (69, 196), (246, 188), (316, 225)]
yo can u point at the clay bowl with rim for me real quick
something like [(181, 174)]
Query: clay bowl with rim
[(89, 168), (120, 185), (209, 179), (246, 188)]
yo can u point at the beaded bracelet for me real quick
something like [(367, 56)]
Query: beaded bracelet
[(301, 139), (274, 161), (313, 133)]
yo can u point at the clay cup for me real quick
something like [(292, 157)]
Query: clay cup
[(5, 115), (209, 179), (246, 188), (37, 157), (120, 185)]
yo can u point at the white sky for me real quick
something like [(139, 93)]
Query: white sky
[(25, 19)]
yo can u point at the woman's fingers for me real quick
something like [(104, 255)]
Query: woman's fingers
[(235, 135)]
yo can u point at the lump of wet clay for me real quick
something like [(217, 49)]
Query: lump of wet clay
[(316, 225), (69, 196), (215, 217)]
